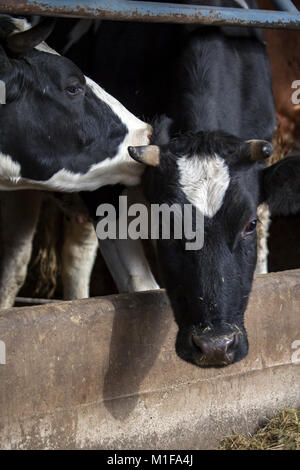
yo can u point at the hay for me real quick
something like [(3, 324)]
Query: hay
[(280, 433), (45, 267)]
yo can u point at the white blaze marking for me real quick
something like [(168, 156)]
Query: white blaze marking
[(204, 181)]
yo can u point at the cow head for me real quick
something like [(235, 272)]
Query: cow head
[(59, 129), (224, 178)]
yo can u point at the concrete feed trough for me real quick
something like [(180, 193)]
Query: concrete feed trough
[(103, 373)]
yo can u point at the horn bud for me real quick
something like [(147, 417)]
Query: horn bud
[(260, 150), (147, 154)]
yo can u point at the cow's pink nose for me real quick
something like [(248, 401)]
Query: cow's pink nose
[(215, 350)]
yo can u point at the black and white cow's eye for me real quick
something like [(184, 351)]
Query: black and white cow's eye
[(250, 227), (74, 90)]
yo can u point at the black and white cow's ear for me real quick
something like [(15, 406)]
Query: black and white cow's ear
[(259, 150), (147, 154), (281, 186), (20, 43)]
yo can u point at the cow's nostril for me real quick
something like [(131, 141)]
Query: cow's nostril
[(216, 350)]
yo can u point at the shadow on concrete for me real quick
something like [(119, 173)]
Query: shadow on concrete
[(137, 335)]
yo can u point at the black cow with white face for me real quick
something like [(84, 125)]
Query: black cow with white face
[(223, 119), (223, 177), (59, 130)]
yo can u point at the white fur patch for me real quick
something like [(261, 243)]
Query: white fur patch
[(10, 171), (242, 3), (109, 171), (204, 182), (21, 24), (120, 169), (264, 215)]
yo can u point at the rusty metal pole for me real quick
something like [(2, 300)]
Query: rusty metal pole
[(153, 12)]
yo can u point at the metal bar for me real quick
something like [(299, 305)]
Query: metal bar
[(153, 12), (285, 5)]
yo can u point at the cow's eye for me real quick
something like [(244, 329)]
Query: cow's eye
[(74, 90), (250, 227)]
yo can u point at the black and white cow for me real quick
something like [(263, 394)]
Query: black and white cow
[(59, 129), (209, 288)]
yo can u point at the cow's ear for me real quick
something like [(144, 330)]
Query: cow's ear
[(281, 186)]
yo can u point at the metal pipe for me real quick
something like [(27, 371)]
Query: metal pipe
[(285, 5), (153, 12)]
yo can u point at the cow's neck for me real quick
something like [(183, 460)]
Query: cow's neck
[(117, 170)]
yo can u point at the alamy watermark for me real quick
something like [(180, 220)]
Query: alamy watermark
[(160, 221), (296, 94), (2, 92), (2, 353)]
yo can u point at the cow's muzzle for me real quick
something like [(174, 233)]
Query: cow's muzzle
[(217, 349)]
